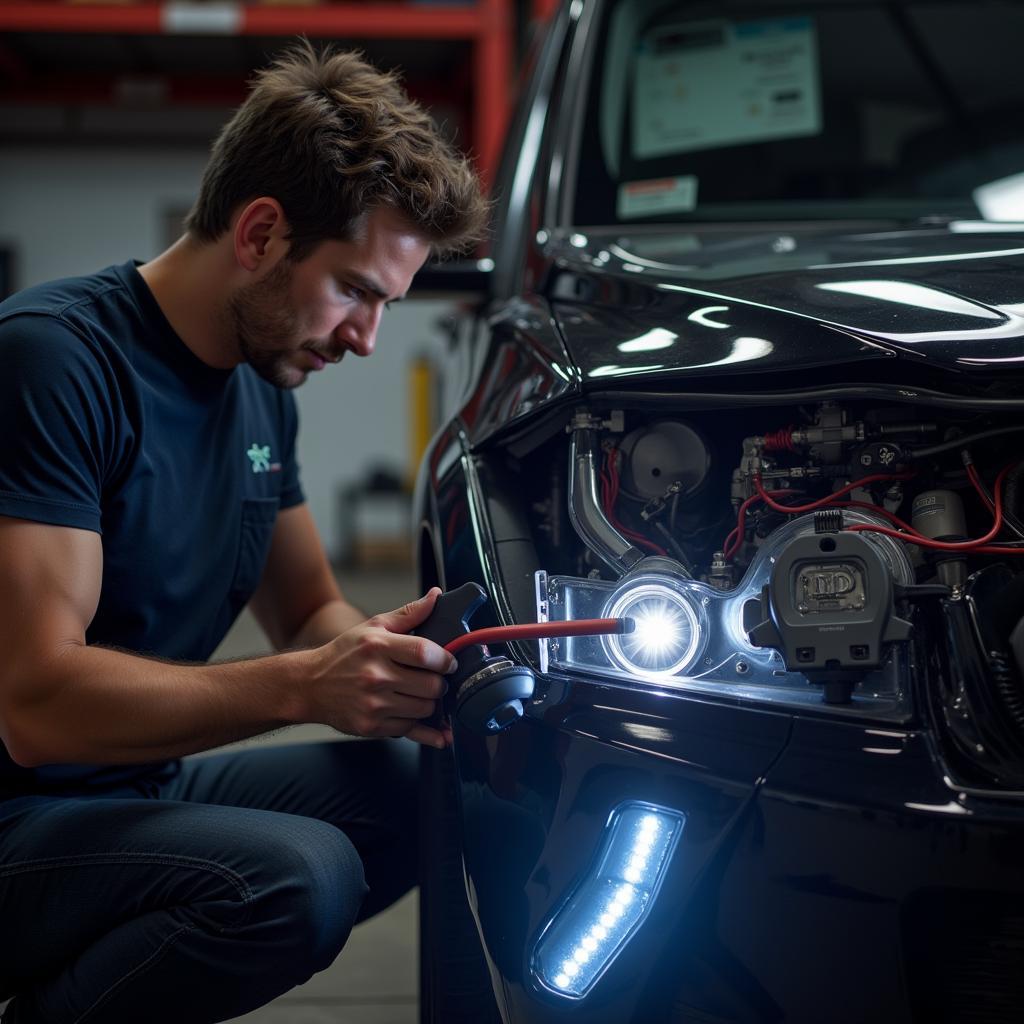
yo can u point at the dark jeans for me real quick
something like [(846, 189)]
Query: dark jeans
[(201, 897)]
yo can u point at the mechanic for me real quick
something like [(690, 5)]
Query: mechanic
[(148, 491)]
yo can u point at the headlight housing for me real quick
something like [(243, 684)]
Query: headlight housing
[(690, 635)]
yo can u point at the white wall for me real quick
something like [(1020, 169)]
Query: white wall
[(71, 211)]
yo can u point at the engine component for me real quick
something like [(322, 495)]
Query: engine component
[(829, 433), (824, 441), (585, 512), (720, 572), (981, 690), (828, 609), (661, 454), (939, 515), (879, 457)]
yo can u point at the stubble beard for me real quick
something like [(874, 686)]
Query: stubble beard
[(263, 320)]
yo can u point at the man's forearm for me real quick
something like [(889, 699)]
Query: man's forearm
[(326, 623), (90, 704)]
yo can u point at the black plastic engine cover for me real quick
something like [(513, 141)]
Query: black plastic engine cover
[(828, 609)]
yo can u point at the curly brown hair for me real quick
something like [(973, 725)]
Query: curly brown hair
[(332, 138)]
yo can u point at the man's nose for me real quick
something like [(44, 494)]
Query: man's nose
[(359, 334)]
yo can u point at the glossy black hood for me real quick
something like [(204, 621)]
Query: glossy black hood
[(691, 304)]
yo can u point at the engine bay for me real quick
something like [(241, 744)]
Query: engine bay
[(709, 490), (840, 554)]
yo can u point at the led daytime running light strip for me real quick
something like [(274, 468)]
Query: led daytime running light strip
[(604, 913)]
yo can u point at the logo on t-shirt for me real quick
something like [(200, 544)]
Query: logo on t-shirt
[(259, 456)]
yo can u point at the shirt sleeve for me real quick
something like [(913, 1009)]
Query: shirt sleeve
[(56, 421), (291, 486)]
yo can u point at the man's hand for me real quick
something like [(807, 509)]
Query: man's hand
[(375, 680)]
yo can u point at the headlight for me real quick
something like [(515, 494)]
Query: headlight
[(691, 636), (667, 632)]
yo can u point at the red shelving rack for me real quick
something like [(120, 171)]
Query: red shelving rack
[(485, 24)]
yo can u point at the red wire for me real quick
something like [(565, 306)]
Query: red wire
[(730, 547), (884, 512), (965, 545), (739, 528), (910, 536), (537, 631), (611, 496), (727, 549), (972, 475), (828, 499)]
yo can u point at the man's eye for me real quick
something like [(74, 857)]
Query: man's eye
[(388, 305)]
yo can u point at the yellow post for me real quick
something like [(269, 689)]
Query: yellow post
[(422, 413)]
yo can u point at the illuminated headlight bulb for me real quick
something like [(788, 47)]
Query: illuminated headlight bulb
[(666, 632)]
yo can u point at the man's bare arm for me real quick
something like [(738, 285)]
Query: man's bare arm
[(298, 602), (62, 701)]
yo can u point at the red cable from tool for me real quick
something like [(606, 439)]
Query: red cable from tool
[(538, 631)]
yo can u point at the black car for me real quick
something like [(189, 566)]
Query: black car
[(746, 369)]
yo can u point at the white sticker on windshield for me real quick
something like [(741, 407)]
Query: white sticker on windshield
[(716, 83), (659, 195)]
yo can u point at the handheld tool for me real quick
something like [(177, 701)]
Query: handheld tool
[(486, 692)]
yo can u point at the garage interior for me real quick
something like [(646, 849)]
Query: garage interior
[(107, 111), (736, 373)]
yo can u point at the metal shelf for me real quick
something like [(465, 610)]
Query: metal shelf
[(486, 25), (373, 20)]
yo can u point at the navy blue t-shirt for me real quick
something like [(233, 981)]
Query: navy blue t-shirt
[(110, 423)]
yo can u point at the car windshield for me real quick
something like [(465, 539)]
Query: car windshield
[(758, 111)]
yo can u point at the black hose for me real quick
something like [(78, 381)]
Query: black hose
[(1011, 489), (919, 591), (557, 506), (961, 442), (674, 547), (1008, 687)]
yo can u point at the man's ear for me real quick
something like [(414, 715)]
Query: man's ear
[(260, 234)]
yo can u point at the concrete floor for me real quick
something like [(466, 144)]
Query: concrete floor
[(374, 981)]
